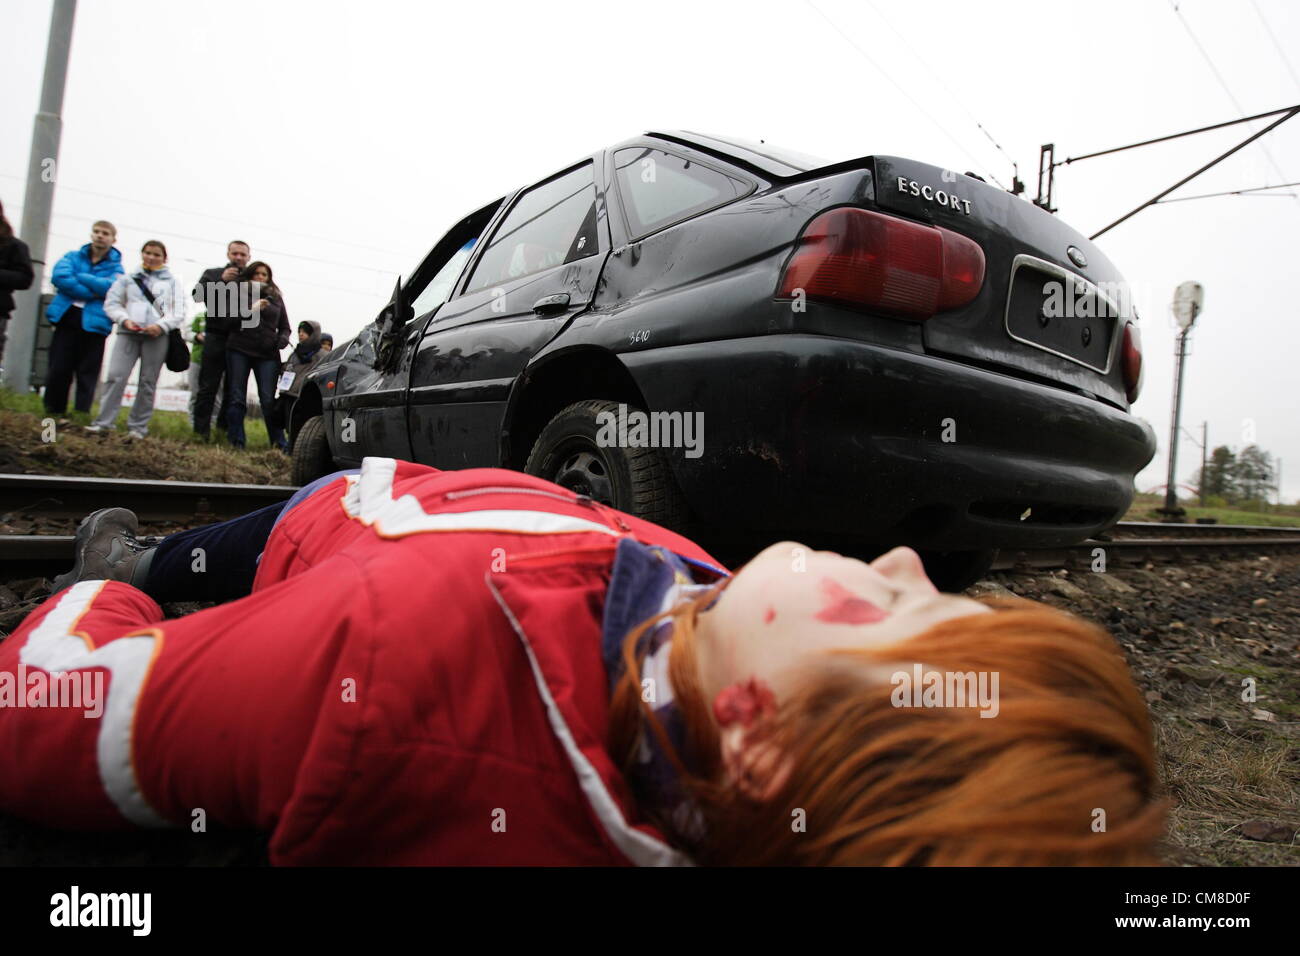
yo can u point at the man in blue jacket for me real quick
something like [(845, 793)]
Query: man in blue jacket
[(82, 278)]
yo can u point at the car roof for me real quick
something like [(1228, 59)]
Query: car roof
[(773, 160)]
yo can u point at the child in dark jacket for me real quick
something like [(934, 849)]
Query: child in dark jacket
[(305, 356)]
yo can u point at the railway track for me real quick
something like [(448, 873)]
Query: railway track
[(193, 503), (198, 502), (1131, 552), (1163, 529)]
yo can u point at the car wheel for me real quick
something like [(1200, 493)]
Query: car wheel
[(637, 481), (311, 453)]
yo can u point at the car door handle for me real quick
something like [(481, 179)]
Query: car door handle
[(549, 304)]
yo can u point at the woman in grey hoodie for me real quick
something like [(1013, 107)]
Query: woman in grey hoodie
[(145, 307)]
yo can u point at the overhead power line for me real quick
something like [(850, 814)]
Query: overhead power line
[(293, 280), (1253, 191), (921, 109), (1277, 46), (207, 215), (931, 71), (1047, 164), (1222, 82), (154, 230), (1188, 178), (1186, 132)]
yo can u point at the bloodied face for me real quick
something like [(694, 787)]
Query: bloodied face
[(791, 604)]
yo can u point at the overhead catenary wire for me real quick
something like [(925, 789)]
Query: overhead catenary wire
[(1188, 178), (1252, 191), (1222, 82), (1277, 46), (1285, 113), (154, 230), (1162, 139), (921, 109), (293, 280), (948, 89), (207, 215)]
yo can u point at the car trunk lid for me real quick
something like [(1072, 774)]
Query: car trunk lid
[(1052, 307)]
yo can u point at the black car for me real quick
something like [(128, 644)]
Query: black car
[(875, 350)]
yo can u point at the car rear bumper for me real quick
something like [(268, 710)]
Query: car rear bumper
[(808, 433)]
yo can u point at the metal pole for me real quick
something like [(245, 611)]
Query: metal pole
[(1171, 508), (1205, 444), (42, 168)]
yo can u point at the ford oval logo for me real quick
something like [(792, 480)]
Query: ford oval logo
[(1077, 257)]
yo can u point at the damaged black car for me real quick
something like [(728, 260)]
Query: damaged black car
[(747, 343)]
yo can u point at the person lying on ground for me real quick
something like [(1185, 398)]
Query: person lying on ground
[(417, 666)]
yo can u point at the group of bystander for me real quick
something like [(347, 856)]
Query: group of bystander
[(239, 327)]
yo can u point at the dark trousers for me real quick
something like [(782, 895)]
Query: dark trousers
[(218, 561), (265, 372), (211, 372), (74, 352)]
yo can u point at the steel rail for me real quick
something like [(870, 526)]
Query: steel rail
[(201, 502), (24, 556), (59, 496), (1126, 552), (1165, 529)]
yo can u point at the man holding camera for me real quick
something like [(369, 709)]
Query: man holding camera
[(218, 289)]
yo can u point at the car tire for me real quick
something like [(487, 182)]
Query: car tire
[(311, 457), (637, 481)]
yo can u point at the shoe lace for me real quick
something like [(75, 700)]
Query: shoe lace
[(142, 543)]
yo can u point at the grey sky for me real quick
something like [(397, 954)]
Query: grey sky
[(341, 139)]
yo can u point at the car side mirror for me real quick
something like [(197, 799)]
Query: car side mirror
[(392, 322)]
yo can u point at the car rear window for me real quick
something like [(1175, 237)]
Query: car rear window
[(660, 188), (551, 224)]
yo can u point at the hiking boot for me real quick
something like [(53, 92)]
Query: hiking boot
[(109, 549)]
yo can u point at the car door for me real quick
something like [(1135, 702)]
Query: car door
[(536, 271)]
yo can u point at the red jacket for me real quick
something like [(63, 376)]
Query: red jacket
[(416, 678)]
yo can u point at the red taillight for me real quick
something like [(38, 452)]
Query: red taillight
[(1130, 357), (869, 260)]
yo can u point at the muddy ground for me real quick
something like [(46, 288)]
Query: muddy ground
[(1192, 636), (25, 450)]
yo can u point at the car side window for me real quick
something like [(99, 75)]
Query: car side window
[(439, 288), (551, 224), (660, 188), (432, 282)]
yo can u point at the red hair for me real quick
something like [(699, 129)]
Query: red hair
[(1064, 774)]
